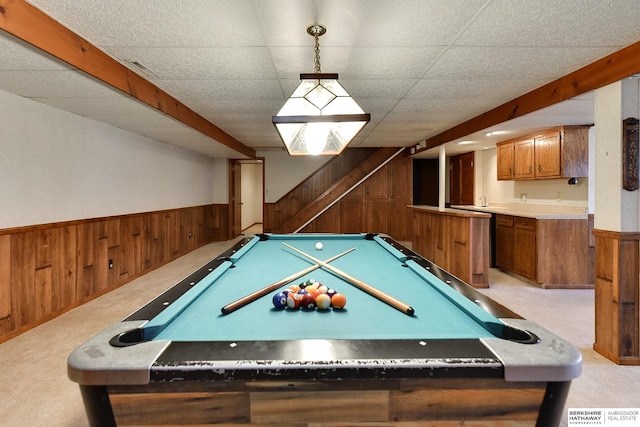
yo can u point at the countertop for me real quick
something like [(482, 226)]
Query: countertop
[(530, 210), (468, 213)]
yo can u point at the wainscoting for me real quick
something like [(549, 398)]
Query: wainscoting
[(617, 296), (48, 269)]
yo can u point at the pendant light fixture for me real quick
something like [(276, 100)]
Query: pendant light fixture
[(320, 117)]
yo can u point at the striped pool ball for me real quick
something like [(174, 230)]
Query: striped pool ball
[(294, 300), (308, 302), (323, 301), (280, 300)]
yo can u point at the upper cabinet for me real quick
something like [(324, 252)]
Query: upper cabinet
[(524, 159), (505, 161), (556, 153)]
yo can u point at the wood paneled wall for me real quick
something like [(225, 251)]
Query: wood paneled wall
[(48, 269), (318, 182), (378, 205), (617, 296)]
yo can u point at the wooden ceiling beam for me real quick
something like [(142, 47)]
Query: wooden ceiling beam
[(610, 69), (28, 23)]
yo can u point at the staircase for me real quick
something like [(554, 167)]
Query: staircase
[(324, 188)]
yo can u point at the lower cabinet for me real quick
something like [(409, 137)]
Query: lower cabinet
[(516, 248), (525, 252), (553, 252), (504, 242), (457, 241)]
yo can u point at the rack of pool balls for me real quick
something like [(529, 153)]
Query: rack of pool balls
[(309, 295)]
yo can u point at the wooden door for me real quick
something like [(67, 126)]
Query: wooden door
[(235, 198), (462, 179)]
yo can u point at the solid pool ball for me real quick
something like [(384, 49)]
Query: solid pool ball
[(294, 288), (308, 302), (316, 293), (310, 282), (294, 300), (323, 301), (319, 246), (280, 300), (339, 301), (331, 292)]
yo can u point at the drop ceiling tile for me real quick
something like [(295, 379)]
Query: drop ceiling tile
[(159, 22), (485, 88), (53, 84), (356, 63), (366, 22), (99, 108), (200, 63), (513, 62), (18, 55), (222, 92), (378, 88), (555, 23)]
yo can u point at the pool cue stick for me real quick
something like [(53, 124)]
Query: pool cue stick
[(231, 307), (388, 299)]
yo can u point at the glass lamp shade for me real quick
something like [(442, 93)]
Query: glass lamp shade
[(319, 118)]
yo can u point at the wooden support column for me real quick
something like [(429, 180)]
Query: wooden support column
[(617, 300), (616, 228)]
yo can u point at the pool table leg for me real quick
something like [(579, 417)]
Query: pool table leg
[(97, 406), (552, 407)]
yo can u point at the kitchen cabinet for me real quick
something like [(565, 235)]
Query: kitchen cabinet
[(560, 152), (516, 248), (525, 254), (504, 242), (524, 159), (505, 161), (554, 252), (456, 240)]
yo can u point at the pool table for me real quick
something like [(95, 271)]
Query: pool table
[(455, 356)]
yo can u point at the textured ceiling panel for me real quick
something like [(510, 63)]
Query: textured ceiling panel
[(555, 23), (509, 62), (419, 67), (18, 55), (53, 84), (159, 22)]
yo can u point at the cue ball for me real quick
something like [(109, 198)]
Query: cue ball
[(319, 246)]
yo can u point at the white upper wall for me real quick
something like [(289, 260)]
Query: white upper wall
[(283, 172), (552, 192), (57, 166)]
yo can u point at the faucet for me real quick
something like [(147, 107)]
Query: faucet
[(483, 200)]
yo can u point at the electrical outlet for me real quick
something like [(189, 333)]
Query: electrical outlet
[(523, 197)]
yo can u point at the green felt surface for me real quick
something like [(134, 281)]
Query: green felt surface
[(439, 311)]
